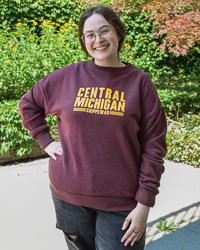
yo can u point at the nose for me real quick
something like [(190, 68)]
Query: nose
[(98, 38)]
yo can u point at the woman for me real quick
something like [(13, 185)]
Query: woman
[(106, 169)]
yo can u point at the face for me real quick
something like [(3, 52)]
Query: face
[(103, 50)]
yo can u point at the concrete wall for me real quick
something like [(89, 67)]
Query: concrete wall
[(36, 152)]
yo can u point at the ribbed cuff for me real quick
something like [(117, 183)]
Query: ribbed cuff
[(44, 138), (145, 197)]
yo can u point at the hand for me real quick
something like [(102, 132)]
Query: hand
[(54, 148), (136, 220)]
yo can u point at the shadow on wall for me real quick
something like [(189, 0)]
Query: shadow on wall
[(186, 235)]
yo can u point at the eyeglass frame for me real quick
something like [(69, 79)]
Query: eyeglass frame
[(96, 32)]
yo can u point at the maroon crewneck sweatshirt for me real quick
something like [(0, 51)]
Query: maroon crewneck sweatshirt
[(112, 130)]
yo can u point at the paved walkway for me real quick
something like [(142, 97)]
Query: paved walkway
[(27, 218)]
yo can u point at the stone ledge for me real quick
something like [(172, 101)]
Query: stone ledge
[(36, 152)]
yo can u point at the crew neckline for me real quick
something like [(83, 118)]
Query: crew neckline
[(112, 70)]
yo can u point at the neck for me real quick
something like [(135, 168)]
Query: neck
[(116, 63)]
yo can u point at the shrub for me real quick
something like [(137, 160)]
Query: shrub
[(178, 98), (56, 10), (183, 136), (146, 54), (142, 47), (25, 58), (179, 20), (13, 135), (183, 140)]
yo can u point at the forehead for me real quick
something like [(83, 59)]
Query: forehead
[(94, 22)]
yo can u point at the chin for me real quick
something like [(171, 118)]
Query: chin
[(102, 57)]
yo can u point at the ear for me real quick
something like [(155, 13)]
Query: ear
[(119, 38)]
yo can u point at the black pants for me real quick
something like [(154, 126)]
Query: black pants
[(92, 229)]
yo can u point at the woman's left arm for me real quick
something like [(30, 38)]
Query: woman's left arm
[(136, 221), (153, 127), (152, 152)]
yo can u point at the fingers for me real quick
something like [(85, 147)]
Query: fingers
[(53, 156), (131, 236), (57, 149), (137, 237), (54, 148), (126, 223)]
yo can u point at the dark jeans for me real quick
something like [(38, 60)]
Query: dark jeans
[(92, 229)]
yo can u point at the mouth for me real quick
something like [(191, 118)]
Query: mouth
[(102, 48)]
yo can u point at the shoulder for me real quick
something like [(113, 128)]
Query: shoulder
[(140, 73), (144, 79), (53, 82), (141, 78), (65, 71), (145, 84), (137, 72)]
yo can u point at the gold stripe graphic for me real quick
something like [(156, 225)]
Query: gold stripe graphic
[(79, 109), (116, 113)]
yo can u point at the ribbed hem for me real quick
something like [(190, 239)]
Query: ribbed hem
[(102, 203)]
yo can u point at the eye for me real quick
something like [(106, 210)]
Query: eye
[(90, 35), (105, 31)]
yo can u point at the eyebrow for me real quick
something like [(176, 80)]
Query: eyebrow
[(99, 28)]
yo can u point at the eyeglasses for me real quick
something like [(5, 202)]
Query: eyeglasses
[(90, 36)]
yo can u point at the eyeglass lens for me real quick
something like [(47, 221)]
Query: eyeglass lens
[(90, 36)]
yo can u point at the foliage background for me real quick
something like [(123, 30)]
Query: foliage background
[(39, 37), (55, 10)]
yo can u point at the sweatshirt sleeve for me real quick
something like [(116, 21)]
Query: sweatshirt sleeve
[(33, 109), (153, 128)]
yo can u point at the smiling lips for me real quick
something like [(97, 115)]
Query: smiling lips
[(101, 48)]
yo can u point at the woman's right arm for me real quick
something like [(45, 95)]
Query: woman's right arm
[(33, 108)]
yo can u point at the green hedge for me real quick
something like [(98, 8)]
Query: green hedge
[(182, 137), (41, 36), (56, 10), (179, 99), (183, 144), (147, 56), (26, 57), (14, 136), (144, 48)]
